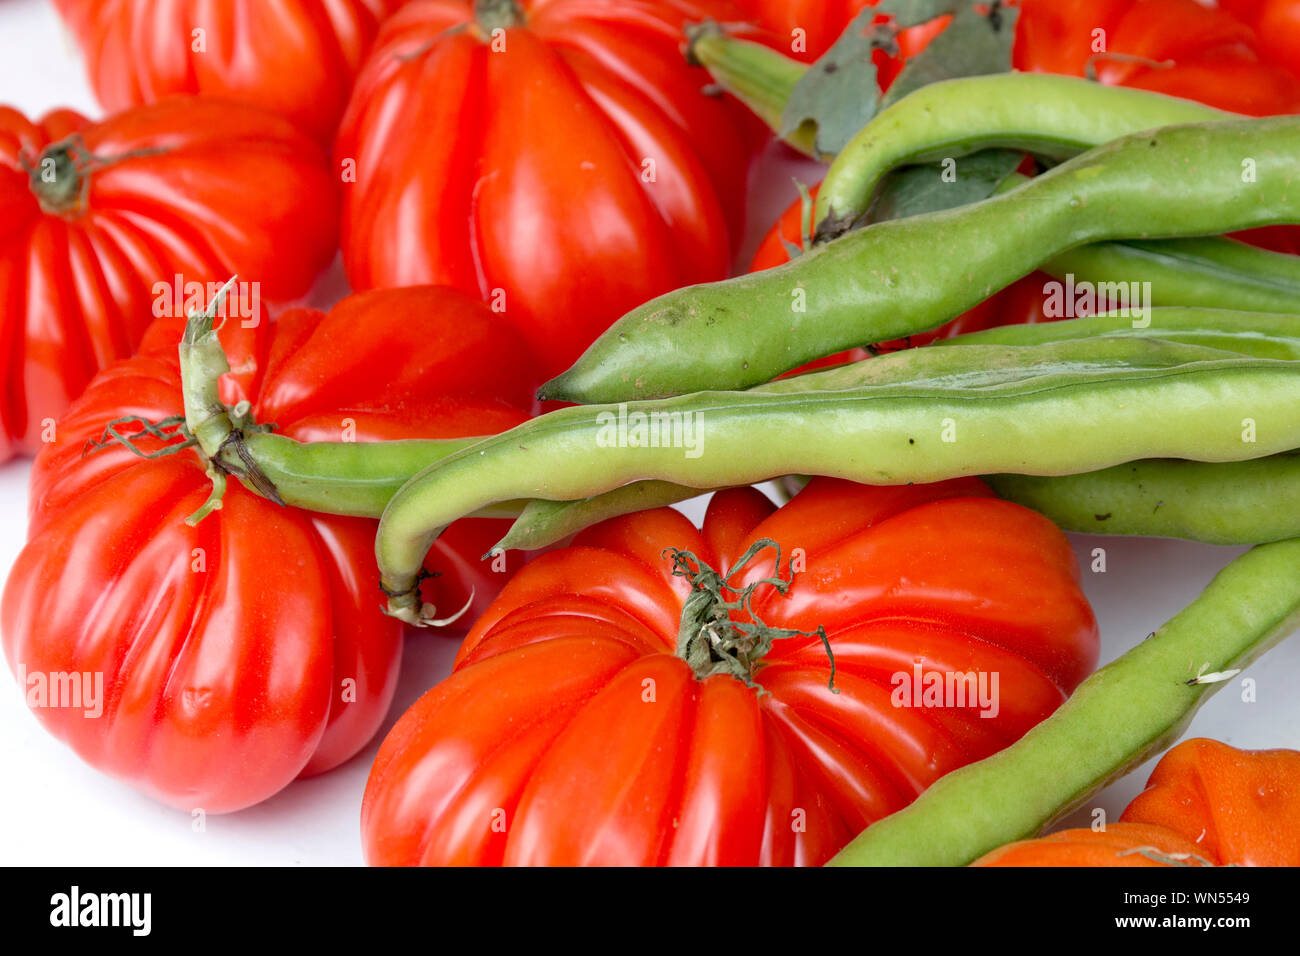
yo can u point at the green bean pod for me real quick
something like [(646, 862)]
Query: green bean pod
[(1208, 410), (1257, 334), (1041, 113), (349, 478), (1230, 503), (1116, 719), (901, 277), (1240, 502), (542, 523), (1209, 272), (1214, 503)]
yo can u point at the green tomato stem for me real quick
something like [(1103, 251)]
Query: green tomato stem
[(759, 77), (1126, 712), (342, 478)]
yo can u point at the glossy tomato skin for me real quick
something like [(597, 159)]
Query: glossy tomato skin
[(1195, 51), (806, 29), (296, 58), (1206, 803), (251, 649), (571, 733), (566, 169), (191, 187)]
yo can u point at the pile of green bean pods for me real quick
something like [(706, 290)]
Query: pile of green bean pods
[(880, 282), (1181, 420)]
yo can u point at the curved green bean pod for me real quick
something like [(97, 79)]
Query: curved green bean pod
[(1231, 503), (882, 282), (349, 478), (1117, 718), (1240, 502), (1211, 410), (1045, 114)]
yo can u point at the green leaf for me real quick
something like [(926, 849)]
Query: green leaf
[(840, 92), (916, 190), (974, 44)]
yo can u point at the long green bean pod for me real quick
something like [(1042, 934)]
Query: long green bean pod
[(1211, 272), (1259, 334), (1045, 114), (1240, 502), (901, 277), (1231, 503), (1117, 718), (349, 478), (1050, 422), (1215, 503)]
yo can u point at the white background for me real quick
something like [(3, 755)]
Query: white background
[(56, 810)]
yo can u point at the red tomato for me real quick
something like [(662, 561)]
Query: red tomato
[(1278, 30), (249, 650), (571, 732), (293, 57), (566, 168), (191, 187), (1206, 803), (1195, 52)]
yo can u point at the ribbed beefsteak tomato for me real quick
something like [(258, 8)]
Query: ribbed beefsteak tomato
[(100, 223), (558, 158), (293, 57), (1206, 804), (573, 730), (239, 654)]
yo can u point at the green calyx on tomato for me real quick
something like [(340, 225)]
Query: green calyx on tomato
[(491, 15), (56, 178), (217, 429), (714, 637)]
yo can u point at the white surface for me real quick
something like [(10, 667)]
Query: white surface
[(56, 810)]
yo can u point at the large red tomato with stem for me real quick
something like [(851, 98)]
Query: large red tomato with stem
[(606, 710), (1206, 804), (97, 217), (293, 57), (251, 649), (558, 158)]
